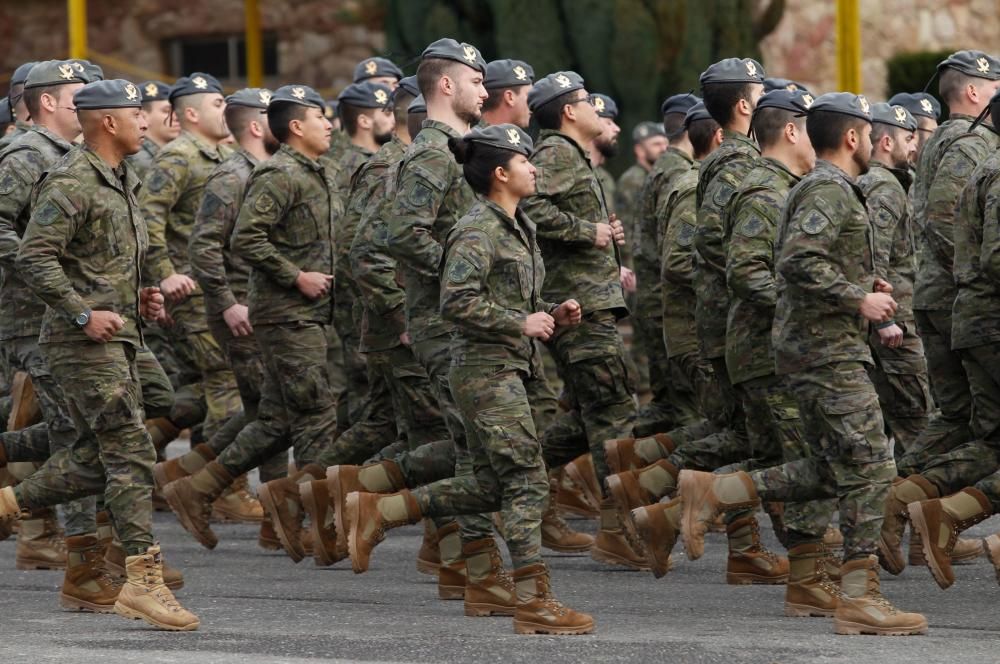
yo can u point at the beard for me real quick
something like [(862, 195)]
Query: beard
[(271, 144), (382, 139), (608, 149), (861, 158)]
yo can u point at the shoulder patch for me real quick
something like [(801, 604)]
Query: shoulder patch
[(265, 203), (884, 217), (685, 236), (460, 271), (157, 180), (420, 195), (814, 222), (8, 183), (47, 213), (751, 227)]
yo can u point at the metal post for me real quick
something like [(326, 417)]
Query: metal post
[(849, 46), (77, 20), (254, 46)]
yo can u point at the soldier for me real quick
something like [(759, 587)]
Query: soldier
[(605, 146), (379, 71), (22, 116), (581, 237), (491, 281), (7, 124), (284, 231), (926, 110), (163, 125), (649, 141), (48, 94), (826, 291), (82, 254), (507, 83)]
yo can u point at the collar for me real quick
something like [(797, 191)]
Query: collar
[(546, 133), (297, 156), (63, 144)]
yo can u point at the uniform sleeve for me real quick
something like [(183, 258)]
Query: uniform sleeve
[(264, 206), (950, 177), (750, 256), (806, 262), (467, 264), (373, 268), (423, 184), (989, 258), (710, 239), (217, 212), (164, 183), (645, 244), (18, 174), (57, 215), (678, 259), (554, 179), (885, 212)]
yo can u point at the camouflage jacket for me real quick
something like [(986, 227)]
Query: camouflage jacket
[(431, 195), (85, 245), (222, 275), (284, 227), (946, 164), (170, 197), (607, 185), (490, 281), (566, 209), (755, 212), (372, 268), (142, 160), (891, 219), (651, 223), (20, 127), (628, 200), (677, 273), (720, 176), (825, 267), (976, 313), (345, 292), (22, 163)]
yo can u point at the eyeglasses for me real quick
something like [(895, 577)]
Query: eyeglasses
[(588, 99)]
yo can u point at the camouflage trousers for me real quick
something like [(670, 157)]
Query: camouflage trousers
[(949, 383), (434, 355), (673, 402), (297, 407), (113, 453), (977, 462), (173, 352), (849, 453), (222, 396), (591, 361), (351, 402), (509, 474), (900, 378), (157, 391), (776, 436), (411, 398)]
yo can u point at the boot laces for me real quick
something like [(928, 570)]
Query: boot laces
[(825, 582), (875, 596), (503, 577), (549, 600), (758, 546)]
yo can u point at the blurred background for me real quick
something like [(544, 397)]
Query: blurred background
[(637, 51)]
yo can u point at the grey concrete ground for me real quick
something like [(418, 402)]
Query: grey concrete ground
[(257, 606)]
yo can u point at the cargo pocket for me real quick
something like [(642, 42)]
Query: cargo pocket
[(509, 440), (855, 429)]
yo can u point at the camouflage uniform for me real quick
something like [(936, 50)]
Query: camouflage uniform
[(775, 429), (20, 128), (491, 278), (142, 160), (431, 196), (569, 203), (900, 374), (628, 192), (825, 268), (83, 250), (285, 226), (170, 198), (22, 164), (224, 277), (975, 335)]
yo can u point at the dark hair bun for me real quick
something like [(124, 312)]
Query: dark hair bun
[(461, 148)]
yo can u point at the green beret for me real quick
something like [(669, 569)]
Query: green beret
[(90, 71), (154, 91), (55, 72), (302, 95), (972, 63), (604, 105), (250, 97), (20, 74), (449, 49), (733, 70), (552, 86), (196, 84), (502, 136), (366, 95), (918, 103), (376, 68), (508, 74), (798, 101), (895, 116), (113, 93), (845, 103)]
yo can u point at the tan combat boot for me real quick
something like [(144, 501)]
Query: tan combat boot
[(991, 547), (114, 562), (658, 526), (861, 608), (580, 471), (940, 520), (539, 612), (163, 432), (903, 492), (749, 560), (623, 454), (570, 499), (810, 592), (316, 503), (237, 504), (40, 542), (283, 503), (556, 533), (429, 556), (25, 409), (370, 515), (965, 552), (185, 465), (489, 590), (267, 539), (88, 585), (614, 544), (705, 495), (633, 489), (452, 574), (145, 597), (6, 525), (382, 477), (191, 500), (833, 538)]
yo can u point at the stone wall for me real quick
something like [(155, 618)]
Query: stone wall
[(803, 46)]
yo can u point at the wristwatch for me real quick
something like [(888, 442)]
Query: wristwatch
[(82, 319)]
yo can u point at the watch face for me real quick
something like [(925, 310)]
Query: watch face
[(82, 319)]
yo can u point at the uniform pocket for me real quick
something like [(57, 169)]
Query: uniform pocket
[(299, 227), (855, 429), (509, 439)]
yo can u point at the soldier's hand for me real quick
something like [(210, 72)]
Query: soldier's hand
[(568, 313), (882, 286), (103, 326), (878, 307), (151, 303), (176, 287), (539, 326), (405, 339), (313, 285), (627, 277), (237, 318), (165, 320), (604, 236), (892, 336), (617, 229)]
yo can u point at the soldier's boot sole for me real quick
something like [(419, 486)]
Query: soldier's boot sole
[(483, 610), (793, 610), (322, 557), (427, 567), (525, 627), (26, 564), (919, 523), (644, 530), (890, 557), (76, 604), (602, 556), (293, 548), (132, 614), (448, 593), (747, 579), (562, 548), (848, 628), (586, 486)]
